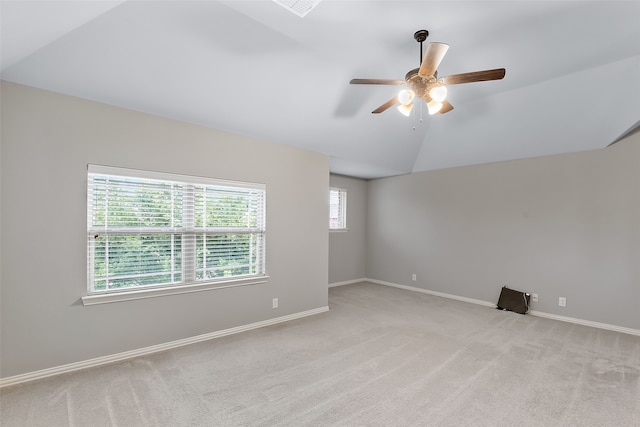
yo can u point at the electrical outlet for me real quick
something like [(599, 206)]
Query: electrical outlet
[(414, 277), (534, 297), (274, 303), (562, 302)]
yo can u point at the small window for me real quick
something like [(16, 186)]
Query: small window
[(150, 230), (337, 209)]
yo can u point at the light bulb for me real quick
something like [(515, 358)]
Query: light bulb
[(406, 96), (405, 109), (438, 93), (434, 107)]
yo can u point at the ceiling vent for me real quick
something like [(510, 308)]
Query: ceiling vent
[(299, 7)]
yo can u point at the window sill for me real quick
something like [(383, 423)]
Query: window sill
[(172, 290), (338, 230)]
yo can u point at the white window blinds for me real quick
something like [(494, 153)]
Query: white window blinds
[(337, 208), (147, 229)]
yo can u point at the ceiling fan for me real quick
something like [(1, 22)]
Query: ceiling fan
[(424, 83)]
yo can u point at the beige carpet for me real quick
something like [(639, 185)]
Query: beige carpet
[(380, 357)]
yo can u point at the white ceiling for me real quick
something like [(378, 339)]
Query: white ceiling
[(254, 68)]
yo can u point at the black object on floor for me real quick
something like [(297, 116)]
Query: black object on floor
[(513, 300)]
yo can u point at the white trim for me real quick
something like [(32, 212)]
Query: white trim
[(536, 313), (146, 174), (348, 282), (598, 325), (91, 363), (434, 293), (127, 295)]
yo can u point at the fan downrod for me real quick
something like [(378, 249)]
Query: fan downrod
[(420, 36)]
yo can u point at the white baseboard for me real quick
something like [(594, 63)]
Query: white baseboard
[(590, 323), (434, 293), (599, 325), (348, 282), (84, 364)]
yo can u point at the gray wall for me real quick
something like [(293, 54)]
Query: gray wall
[(47, 141), (347, 248), (565, 225)]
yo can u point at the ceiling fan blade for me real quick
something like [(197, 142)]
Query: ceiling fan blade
[(390, 103), (475, 76), (376, 82), (432, 58), (446, 107)]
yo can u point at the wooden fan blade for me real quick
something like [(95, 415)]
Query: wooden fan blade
[(446, 107), (475, 76), (390, 103), (376, 82), (432, 58)]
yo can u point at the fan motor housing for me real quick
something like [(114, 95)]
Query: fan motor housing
[(420, 84)]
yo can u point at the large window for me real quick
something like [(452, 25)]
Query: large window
[(337, 209), (148, 229)]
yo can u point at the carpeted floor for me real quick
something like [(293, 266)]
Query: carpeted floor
[(380, 357)]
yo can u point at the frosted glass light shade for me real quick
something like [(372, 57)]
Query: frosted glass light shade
[(434, 107), (405, 109), (406, 96), (438, 93)]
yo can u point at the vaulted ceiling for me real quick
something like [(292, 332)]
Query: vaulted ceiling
[(254, 68)]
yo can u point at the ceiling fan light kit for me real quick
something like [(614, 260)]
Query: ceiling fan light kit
[(405, 98), (424, 83)]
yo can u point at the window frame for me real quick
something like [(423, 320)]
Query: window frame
[(342, 208), (94, 296)]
